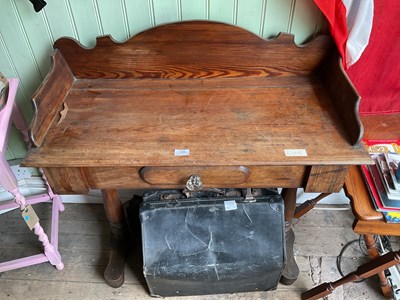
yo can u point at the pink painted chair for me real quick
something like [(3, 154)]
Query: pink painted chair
[(11, 113)]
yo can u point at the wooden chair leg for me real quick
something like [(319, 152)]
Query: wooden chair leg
[(380, 264)]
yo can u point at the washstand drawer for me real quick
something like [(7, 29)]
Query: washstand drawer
[(210, 176)]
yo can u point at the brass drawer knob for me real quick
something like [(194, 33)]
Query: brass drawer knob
[(194, 183)]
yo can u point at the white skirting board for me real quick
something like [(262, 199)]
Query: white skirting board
[(94, 196)]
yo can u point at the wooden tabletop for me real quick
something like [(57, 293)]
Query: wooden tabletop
[(381, 127), (253, 123), (197, 94)]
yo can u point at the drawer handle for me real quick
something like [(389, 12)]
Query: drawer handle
[(194, 183)]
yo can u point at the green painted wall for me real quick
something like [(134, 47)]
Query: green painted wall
[(26, 37)]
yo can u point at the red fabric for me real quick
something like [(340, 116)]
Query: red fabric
[(376, 75), (335, 13)]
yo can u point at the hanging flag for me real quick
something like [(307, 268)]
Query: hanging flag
[(376, 75), (350, 22), (373, 30)]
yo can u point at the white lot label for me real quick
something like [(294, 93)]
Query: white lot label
[(295, 152), (230, 205), (182, 152)]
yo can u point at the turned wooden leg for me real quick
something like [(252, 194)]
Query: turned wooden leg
[(378, 265), (119, 245), (291, 271), (374, 253)]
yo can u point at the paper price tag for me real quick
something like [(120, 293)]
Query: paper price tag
[(295, 152), (30, 217), (182, 152), (230, 205)]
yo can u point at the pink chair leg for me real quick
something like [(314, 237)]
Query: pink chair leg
[(19, 122), (7, 178), (52, 254)]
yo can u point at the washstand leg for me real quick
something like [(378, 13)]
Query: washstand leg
[(119, 238), (291, 271)]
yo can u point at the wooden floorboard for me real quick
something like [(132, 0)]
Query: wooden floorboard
[(83, 244)]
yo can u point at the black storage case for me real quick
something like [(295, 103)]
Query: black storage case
[(210, 244)]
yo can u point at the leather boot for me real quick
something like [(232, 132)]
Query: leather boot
[(119, 249)]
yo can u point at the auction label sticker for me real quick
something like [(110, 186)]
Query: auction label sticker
[(230, 205), (295, 152), (182, 152)]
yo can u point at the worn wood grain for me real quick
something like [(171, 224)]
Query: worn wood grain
[(329, 178), (193, 50), (214, 176), (356, 189), (378, 127), (242, 126), (191, 83), (50, 97), (196, 86), (344, 96), (113, 206), (67, 180), (259, 176), (377, 227)]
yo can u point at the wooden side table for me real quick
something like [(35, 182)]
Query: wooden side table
[(11, 114), (368, 221)]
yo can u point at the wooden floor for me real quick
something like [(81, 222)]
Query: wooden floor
[(83, 243)]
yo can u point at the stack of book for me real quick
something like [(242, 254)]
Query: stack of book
[(383, 178)]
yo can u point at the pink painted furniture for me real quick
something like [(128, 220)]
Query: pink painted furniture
[(11, 113)]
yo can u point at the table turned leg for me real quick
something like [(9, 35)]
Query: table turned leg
[(364, 271), (119, 245), (291, 271), (374, 253)]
